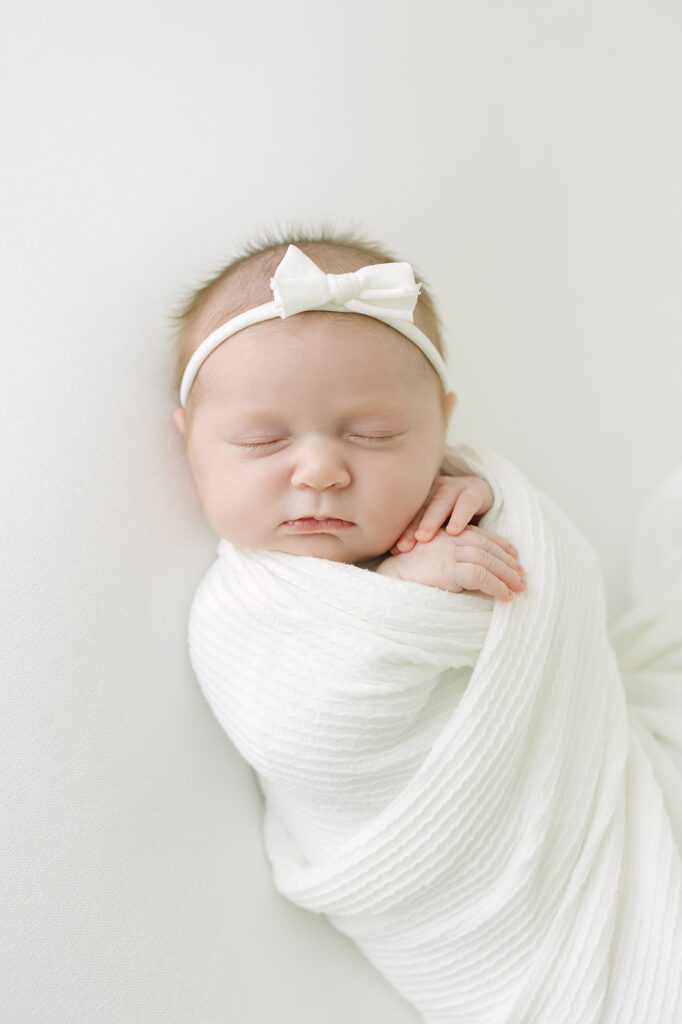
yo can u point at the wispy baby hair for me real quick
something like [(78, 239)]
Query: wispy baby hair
[(244, 282)]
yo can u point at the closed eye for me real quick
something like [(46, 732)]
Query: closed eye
[(362, 437), (375, 437), (257, 444)]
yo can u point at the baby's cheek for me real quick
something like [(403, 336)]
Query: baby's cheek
[(230, 516), (398, 517)]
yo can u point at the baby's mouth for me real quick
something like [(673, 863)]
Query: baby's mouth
[(310, 524)]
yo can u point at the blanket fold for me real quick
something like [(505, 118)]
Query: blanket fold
[(456, 782)]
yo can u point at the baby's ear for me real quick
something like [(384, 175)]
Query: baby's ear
[(450, 401), (180, 420)]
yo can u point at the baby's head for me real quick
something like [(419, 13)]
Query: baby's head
[(320, 414)]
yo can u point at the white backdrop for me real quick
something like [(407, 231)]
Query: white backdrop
[(527, 157)]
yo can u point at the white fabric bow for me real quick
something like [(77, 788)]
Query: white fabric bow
[(381, 290)]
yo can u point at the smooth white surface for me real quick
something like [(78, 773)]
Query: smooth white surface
[(526, 157)]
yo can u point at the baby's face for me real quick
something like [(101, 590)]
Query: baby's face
[(319, 415)]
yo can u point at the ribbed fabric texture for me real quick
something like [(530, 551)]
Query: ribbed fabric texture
[(455, 781)]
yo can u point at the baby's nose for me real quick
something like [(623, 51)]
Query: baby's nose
[(320, 464)]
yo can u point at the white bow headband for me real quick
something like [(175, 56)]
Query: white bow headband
[(385, 291)]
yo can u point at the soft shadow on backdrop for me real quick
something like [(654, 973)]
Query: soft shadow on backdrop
[(527, 158)]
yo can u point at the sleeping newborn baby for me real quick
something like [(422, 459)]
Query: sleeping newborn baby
[(448, 768), (323, 434)]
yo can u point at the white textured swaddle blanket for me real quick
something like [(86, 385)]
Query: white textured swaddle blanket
[(455, 781)]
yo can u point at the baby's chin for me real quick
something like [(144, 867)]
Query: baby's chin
[(330, 546)]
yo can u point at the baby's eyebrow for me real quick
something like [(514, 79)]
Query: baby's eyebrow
[(366, 411)]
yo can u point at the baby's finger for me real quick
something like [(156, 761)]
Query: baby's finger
[(493, 564), (467, 505), (475, 579), (496, 537), (475, 576), (434, 515), (488, 541)]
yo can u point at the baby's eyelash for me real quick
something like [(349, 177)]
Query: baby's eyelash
[(375, 437), (364, 437)]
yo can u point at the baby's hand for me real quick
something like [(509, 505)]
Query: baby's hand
[(461, 498), (476, 560)]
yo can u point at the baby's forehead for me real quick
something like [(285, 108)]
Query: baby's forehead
[(339, 351), (350, 336)]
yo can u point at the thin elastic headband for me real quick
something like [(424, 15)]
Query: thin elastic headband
[(384, 291)]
